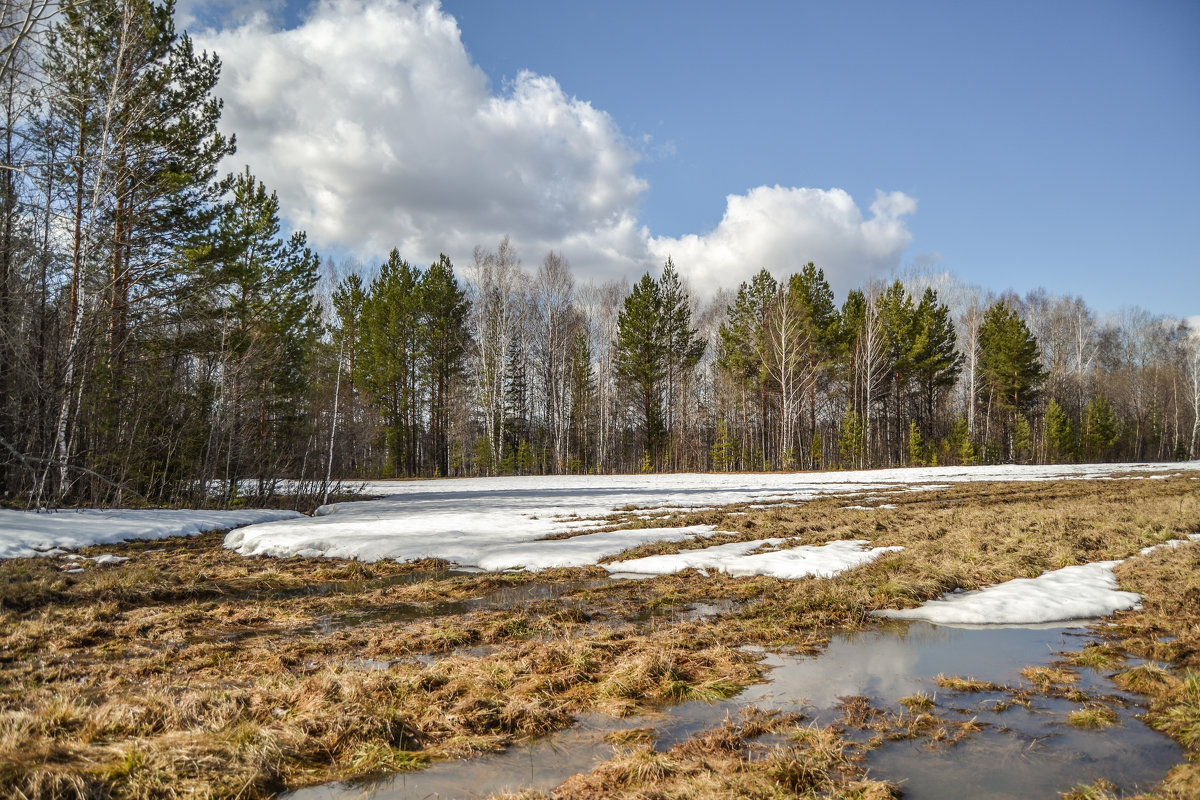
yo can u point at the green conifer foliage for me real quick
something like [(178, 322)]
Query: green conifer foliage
[(440, 351), (272, 322), (932, 354), (1059, 435), (1009, 361), (391, 325), (642, 357), (1101, 429)]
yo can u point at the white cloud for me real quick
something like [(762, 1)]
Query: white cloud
[(377, 130), (784, 228)]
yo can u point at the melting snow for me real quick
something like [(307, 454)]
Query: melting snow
[(49, 533), (1077, 592), (463, 520), (579, 551), (738, 559)]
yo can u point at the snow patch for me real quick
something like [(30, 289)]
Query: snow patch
[(1171, 544), (580, 551), (738, 559), (1076, 592), (24, 534)]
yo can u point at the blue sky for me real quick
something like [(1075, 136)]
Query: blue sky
[(1020, 144)]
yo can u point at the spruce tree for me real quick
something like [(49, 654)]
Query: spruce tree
[(1060, 439)]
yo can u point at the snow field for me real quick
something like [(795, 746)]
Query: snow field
[(502, 524)]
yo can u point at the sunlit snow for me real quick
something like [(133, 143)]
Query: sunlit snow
[(502, 523), (25, 533), (1076, 592), (739, 559), (464, 520)]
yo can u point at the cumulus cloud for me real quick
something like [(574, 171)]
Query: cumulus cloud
[(377, 130), (784, 228)]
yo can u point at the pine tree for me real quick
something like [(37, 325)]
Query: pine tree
[(958, 443), (391, 330), (1010, 368), (1009, 359), (899, 327), (1022, 439), (138, 194), (346, 334), (443, 310), (820, 329), (684, 349), (642, 358), (265, 285), (722, 452), (935, 361), (915, 445), (742, 354), (850, 438)]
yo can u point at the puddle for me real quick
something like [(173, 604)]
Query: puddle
[(1020, 752), (541, 764), (696, 612)]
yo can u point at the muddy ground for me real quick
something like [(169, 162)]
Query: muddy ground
[(188, 670)]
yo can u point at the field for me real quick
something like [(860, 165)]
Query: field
[(191, 669)]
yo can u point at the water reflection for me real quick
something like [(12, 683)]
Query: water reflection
[(1021, 752), (541, 764)]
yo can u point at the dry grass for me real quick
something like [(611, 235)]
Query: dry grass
[(190, 670), (1095, 716), (958, 684), (727, 762)]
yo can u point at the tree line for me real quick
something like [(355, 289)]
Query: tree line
[(547, 376), (164, 341)]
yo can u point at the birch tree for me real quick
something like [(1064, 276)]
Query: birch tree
[(497, 281), (554, 294)]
